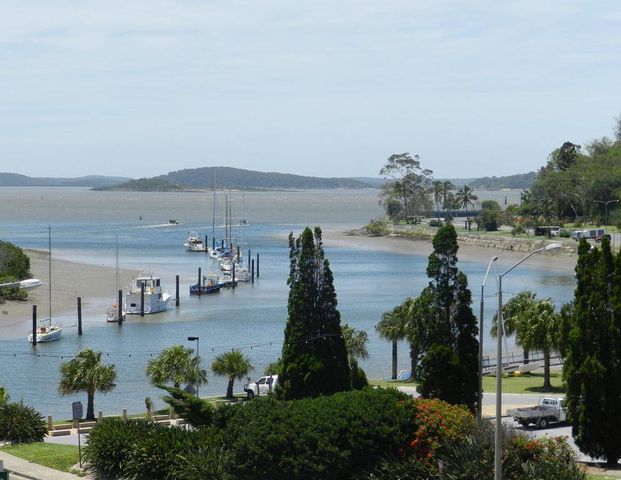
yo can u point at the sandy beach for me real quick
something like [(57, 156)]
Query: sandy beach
[(550, 261), (94, 284)]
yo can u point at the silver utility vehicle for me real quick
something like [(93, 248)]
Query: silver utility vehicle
[(549, 410)]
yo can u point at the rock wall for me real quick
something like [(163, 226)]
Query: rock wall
[(568, 247)]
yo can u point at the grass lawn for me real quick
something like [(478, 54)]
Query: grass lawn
[(58, 457), (590, 476), (531, 383)]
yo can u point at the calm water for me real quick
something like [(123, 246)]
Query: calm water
[(252, 317)]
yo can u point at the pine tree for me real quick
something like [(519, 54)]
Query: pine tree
[(447, 336), (593, 350), (314, 356)]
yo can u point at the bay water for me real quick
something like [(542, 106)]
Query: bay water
[(251, 318)]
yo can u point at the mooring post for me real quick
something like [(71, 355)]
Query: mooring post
[(252, 276), (206, 243), (176, 290), (233, 271), (213, 243), (79, 315), (120, 307), (238, 253), (34, 325), (257, 265), (199, 280), (249, 253), (142, 286)]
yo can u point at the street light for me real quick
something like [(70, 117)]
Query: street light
[(192, 339), (499, 333), (480, 401), (605, 203)]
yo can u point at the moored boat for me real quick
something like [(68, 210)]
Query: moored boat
[(210, 284), (155, 300), (46, 333), (194, 243)]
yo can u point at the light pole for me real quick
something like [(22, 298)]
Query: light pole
[(480, 400), (605, 203), (499, 333), (192, 339)]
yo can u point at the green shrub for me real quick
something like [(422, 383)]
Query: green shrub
[(160, 452), (210, 461), (331, 437), (13, 262), (110, 445), (378, 228), (20, 423), (435, 223), (564, 234)]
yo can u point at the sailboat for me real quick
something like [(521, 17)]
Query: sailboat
[(115, 313), (47, 332)]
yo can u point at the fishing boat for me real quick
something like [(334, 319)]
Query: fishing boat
[(194, 243), (155, 300), (46, 331), (210, 284), (115, 313)]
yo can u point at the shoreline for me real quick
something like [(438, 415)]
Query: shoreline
[(468, 253), (94, 284)]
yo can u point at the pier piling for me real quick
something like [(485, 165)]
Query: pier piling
[(249, 253), (142, 300), (176, 290), (206, 243), (34, 325), (252, 271), (257, 265), (120, 307), (233, 272), (79, 315), (199, 280)]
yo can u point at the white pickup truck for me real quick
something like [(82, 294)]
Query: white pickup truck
[(549, 410), (262, 386)]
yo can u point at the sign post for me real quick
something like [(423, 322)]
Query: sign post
[(77, 411)]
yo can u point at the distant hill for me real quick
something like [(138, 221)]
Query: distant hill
[(205, 177), (17, 180), (519, 181)]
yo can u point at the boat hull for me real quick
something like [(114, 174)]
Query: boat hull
[(51, 334), (153, 303), (204, 289)]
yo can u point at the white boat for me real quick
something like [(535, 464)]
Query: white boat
[(155, 300), (29, 284), (194, 243), (46, 331), (113, 315)]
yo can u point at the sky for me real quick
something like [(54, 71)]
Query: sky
[(139, 88)]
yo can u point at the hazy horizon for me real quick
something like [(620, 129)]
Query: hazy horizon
[(320, 88)]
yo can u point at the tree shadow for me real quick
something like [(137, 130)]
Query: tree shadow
[(541, 389)]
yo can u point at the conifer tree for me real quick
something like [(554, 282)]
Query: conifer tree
[(314, 356), (593, 348), (447, 332)]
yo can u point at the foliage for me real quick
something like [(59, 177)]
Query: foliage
[(472, 457), (211, 460), (86, 373), (466, 197), (355, 342), (233, 365), (314, 354), (593, 353), (518, 181), (195, 411), (176, 365), (435, 223), (110, 444), (377, 227), (325, 437), (14, 263), (273, 368), (358, 377), (392, 327), (446, 328), (535, 324), (489, 217), (21, 423), (4, 396), (410, 186)]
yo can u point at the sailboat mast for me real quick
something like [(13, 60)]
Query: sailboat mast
[(213, 218), (49, 268), (117, 263)]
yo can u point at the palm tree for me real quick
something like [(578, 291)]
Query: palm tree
[(355, 342), (515, 315), (466, 197), (438, 195), (392, 328), (86, 373), (447, 188), (176, 365), (233, 365)]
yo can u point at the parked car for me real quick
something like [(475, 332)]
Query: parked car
[(262, 386), (549, 410)]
